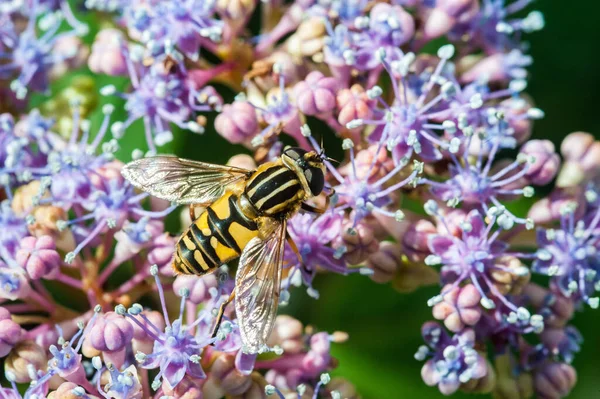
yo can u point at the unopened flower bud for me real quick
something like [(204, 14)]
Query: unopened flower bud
[(237, 122), (39, 257), (546, 163), (554, 380), (360, 244), (108, 55), (111, 334), (460, 307), (24, 356), (316, 94), (288, 334)]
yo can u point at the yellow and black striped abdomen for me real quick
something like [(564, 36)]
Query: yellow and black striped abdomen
[(218, 236), (274, 189)]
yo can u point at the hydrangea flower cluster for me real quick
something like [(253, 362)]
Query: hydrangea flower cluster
[(448, 130)]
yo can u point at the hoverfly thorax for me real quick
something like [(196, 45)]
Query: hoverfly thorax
[(309, 167)]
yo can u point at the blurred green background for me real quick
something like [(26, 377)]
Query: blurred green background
[(384, 326)]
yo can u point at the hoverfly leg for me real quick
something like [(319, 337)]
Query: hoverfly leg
[(220, 315), (293, 246), (312, 209)]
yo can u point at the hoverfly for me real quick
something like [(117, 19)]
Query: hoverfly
[(245, 216)]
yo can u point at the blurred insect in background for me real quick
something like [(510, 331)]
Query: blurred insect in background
[(245, 215)]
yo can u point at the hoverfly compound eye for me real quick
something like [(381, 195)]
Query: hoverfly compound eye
[(315, 179), (295, 153)]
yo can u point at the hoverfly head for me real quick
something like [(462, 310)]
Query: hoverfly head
[(309, 166)]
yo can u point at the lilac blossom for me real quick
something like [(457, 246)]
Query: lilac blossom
[(478, 256), (569, 255), (452, 361), (158, 99), (30, 54), (176, 350)]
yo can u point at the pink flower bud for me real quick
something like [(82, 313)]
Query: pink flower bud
[(39, 257), (287, 333), (582, 153), (231, 380), (71, 51), (446, 14), (460, 307), (549, 209), (370, 165), (242, 161), (514, 110), (359, 242), (561, 308), (105, 173), (554, 380), (318, 358), (492, 68), (546, 163), (24, 355), (111, 334), (161, 253), (108, 55), (10, 332), (199, 287), (415, 239), (66, 390), (237, 122), (385, 262), (133, 237), (316, 94), (188, 388), (353, 104)]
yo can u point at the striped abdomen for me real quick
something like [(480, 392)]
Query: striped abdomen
[(274, 189), (216, 237)]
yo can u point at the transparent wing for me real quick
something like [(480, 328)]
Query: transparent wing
[(257, 285), (181, 180)]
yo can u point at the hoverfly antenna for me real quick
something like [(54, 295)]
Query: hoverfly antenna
[(331, 160)]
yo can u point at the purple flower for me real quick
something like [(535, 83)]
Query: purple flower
[(570, 256), (176, 350), (387, 28), (66, 359), (313, 236), (30, 58), (478, 256), (495, 28), (160, 97), (362, 192), (123, 384), (477, 184), (12, 229), (452, 360), (14, 283), (165, 26)]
